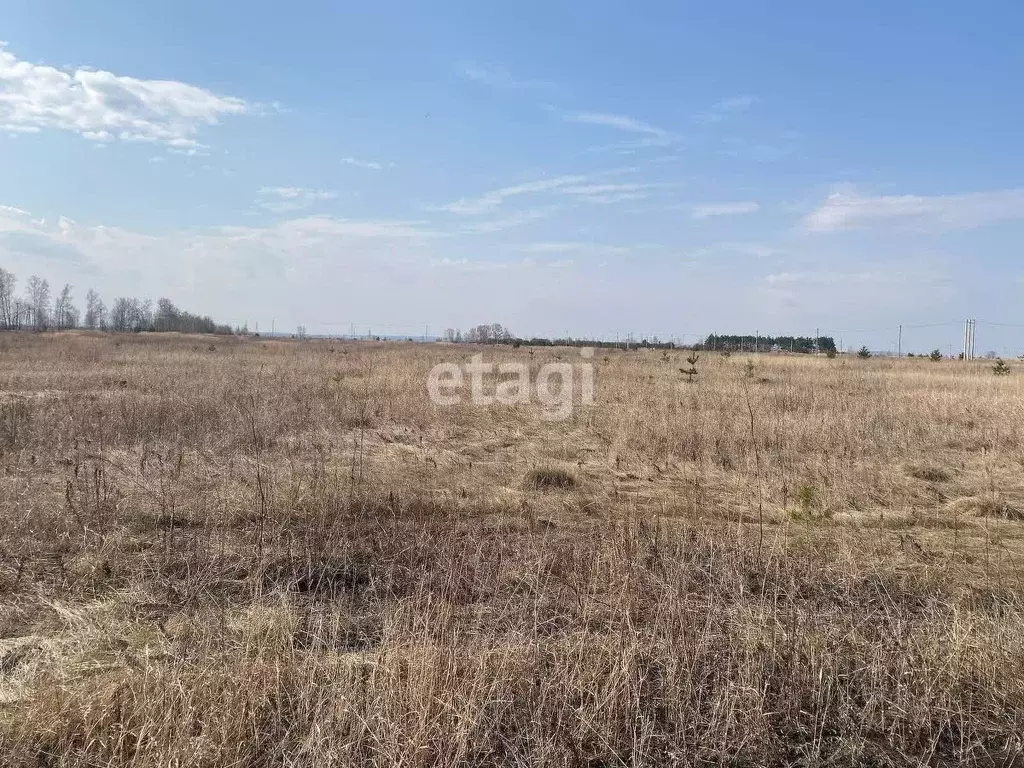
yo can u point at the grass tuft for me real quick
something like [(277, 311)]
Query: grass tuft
[(546, 478), (927, 472)]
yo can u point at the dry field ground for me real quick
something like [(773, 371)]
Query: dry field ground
[(242, 552)]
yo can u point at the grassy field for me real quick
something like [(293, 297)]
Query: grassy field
[(243, 552)]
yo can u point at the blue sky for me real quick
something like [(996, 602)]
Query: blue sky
[(597, 168)]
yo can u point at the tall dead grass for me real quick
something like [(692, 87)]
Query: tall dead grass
[(273, 553)]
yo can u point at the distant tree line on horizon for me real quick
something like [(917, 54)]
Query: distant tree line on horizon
[(802, 344), (495, 333), (36, 310)]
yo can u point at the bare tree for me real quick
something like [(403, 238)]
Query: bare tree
[(168, 316), (121, 314), (488, 334), (38, 295), (7, 303), (65, 314), (94, 310), (144, 315)]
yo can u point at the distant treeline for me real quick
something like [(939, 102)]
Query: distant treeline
[(804, 344), (36, 310), (495, 333)]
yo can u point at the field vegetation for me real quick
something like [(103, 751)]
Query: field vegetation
[(252, 552)]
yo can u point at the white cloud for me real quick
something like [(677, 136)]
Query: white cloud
[(590, 190), (490, 201), (379, 229), (758, 152), (757, 250), (846, 209), (582, 188), (899, 283), (655, 136), (578, 247), (315, 270), (10, 209), (101, 106), (517, 219), (708, 210), (609, 193), (725, 108), (14, 129), (371, 165), (283, 199), (326, 272), (499, 77), (866, 298)]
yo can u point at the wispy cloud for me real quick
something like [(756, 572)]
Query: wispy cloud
[(571, 246), (387, 229), (910, 284), (653, 135), (725, 108), (102, 107), (708, 210), (284, 199), (582, 188), (10, 209), (610, 193), (846, 209), (757, 250), (499, 77), (490, 201), (762, 151), (371, 165), (513, 220)]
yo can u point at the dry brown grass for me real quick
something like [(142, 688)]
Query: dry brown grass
[(274, 553)]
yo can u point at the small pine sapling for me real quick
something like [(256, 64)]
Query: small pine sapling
[(692, 370)]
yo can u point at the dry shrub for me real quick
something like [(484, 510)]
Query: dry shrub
[(543, 478), (987, 506), (927, 472)]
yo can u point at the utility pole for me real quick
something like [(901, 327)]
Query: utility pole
[(757, 340), (969, 329), (817, 335), (899, 344)]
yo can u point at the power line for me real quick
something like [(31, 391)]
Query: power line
[(1000, 325)]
